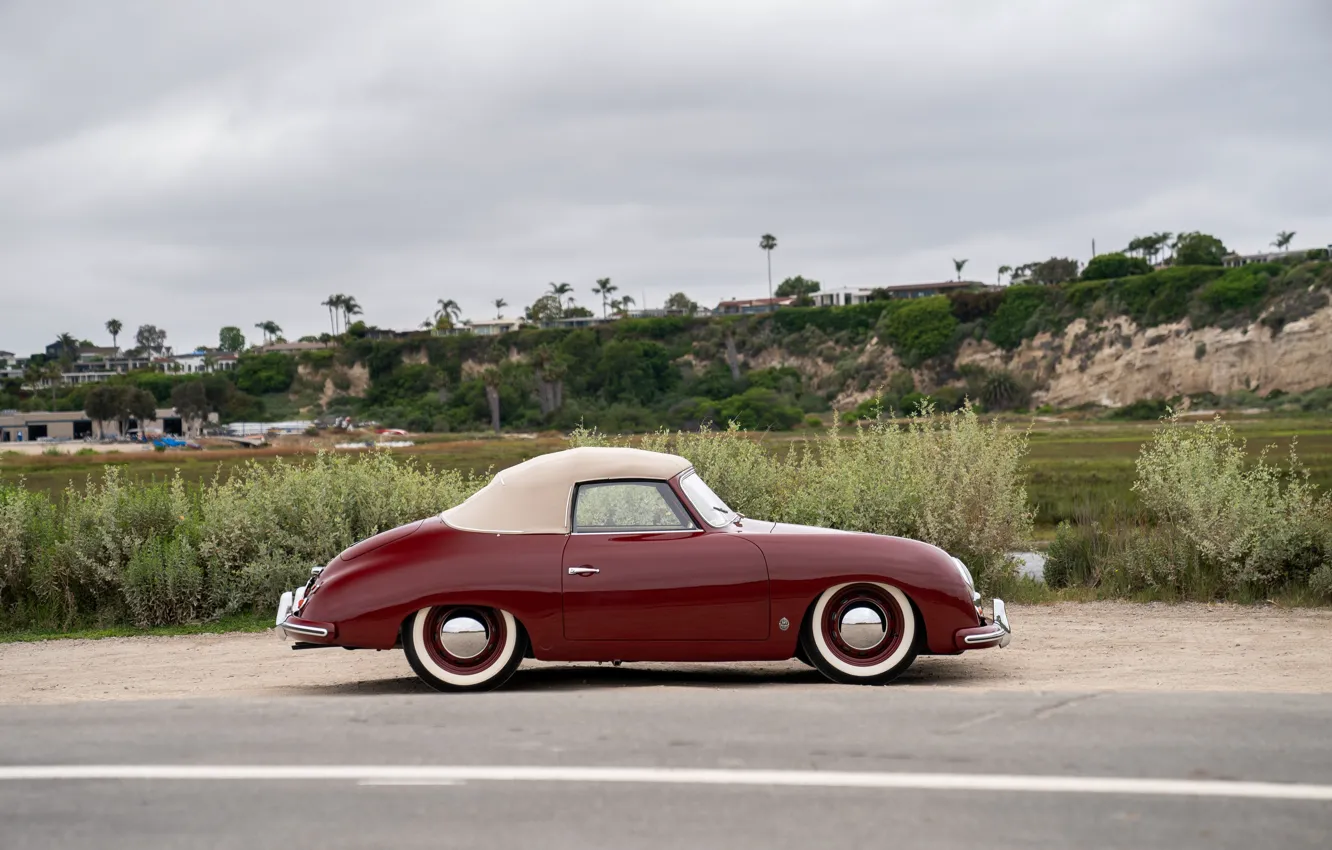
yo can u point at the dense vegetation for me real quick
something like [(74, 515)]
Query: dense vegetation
[(1213, 523), (166, 553), (640, 374)]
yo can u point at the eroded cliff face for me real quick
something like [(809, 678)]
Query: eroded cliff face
[(1118, 363)]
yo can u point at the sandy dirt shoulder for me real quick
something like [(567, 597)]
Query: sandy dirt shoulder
[(1069, 647)]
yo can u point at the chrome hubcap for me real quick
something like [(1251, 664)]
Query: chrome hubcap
[(863, 626), (463, 637)]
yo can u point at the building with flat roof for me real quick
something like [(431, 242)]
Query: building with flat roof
[(743, 306), (75, 425)]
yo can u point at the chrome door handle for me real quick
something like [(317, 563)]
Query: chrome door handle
[(583, 571)]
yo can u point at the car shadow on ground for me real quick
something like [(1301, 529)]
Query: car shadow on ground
[(554, 676)]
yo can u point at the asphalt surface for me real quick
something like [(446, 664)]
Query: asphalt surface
[(598, 717)]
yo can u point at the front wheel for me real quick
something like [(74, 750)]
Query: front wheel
[(463, 647), (861, 633)]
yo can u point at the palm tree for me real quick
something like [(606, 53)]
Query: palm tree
[(349, 308), (114, 327), (69, 347), (620, 306), (500, 304), (492, 377), (958, 264), (448, 311), (768, 242), (559, 290), (52, 372), (334, 302), (263, 328), (1283, 239), (1003, 270), (604, 288)]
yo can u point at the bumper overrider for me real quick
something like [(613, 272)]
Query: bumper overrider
[(291, 626), (996, 632)]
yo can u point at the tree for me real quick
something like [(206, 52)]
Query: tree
[(959, 264), (349, 308), (1003, 270), (52, 372), (500, 304), (491, 377), (682, 302), (620, 306), (69, 348), (150, 338), (1199, 249), (550, 368), (114, 328), (559, 290), (448, 313), (547, 308), (333, 303), (231, 339), (1114, 266), (604, 288), (139, 405), (768, 243), (797, 287), (191, 403), (1052, 271), (1283, 239), (270, 329), (101, 404)]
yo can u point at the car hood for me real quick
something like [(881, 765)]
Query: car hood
[(761, 527)]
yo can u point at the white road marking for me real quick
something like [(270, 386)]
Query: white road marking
[(679, 776)]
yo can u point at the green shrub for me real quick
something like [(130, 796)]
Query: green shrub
[(1262, 526), (921, 329), (1009, 326), (1116, 265), (947, 479), (1238, 289)]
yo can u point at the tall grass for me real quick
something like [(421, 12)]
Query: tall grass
[(947, 479), (158, 553), (1214, 523)]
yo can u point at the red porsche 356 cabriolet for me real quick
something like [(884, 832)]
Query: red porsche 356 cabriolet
[(610, 554)]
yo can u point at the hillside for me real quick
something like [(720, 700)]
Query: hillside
[(1256, 335), (1250, 334)]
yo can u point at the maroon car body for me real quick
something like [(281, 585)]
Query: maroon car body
[(738, 592)]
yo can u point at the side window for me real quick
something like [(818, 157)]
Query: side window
[(628, 506)]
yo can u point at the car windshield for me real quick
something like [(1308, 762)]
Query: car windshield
[(709, 505)]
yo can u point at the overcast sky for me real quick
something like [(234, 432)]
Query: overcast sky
[(193, 165)]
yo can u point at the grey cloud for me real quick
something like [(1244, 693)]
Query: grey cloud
[(225, 163)]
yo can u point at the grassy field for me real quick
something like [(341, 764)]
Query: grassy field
[(1077, 469)]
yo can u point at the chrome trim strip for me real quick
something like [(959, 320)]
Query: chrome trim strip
[(304, 630), (984, 638)]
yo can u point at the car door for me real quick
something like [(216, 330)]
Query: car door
[(637, 567)]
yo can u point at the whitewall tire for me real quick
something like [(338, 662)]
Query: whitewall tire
[(861, 633), (463, 647)]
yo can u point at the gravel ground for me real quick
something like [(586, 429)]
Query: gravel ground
[(1100, 646)]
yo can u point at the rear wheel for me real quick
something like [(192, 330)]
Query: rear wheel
[(463, 647), (861, 633)]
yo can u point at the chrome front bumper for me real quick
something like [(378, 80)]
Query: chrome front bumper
[(997, 632)]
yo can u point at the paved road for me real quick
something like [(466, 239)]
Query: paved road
[(580, 718)]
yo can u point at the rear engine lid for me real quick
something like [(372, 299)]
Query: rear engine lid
[(382, 539)]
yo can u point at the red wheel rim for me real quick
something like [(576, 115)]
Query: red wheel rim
[(852, 621), (464, 663)]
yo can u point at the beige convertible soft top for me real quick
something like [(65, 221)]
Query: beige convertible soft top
[(533, 497)]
